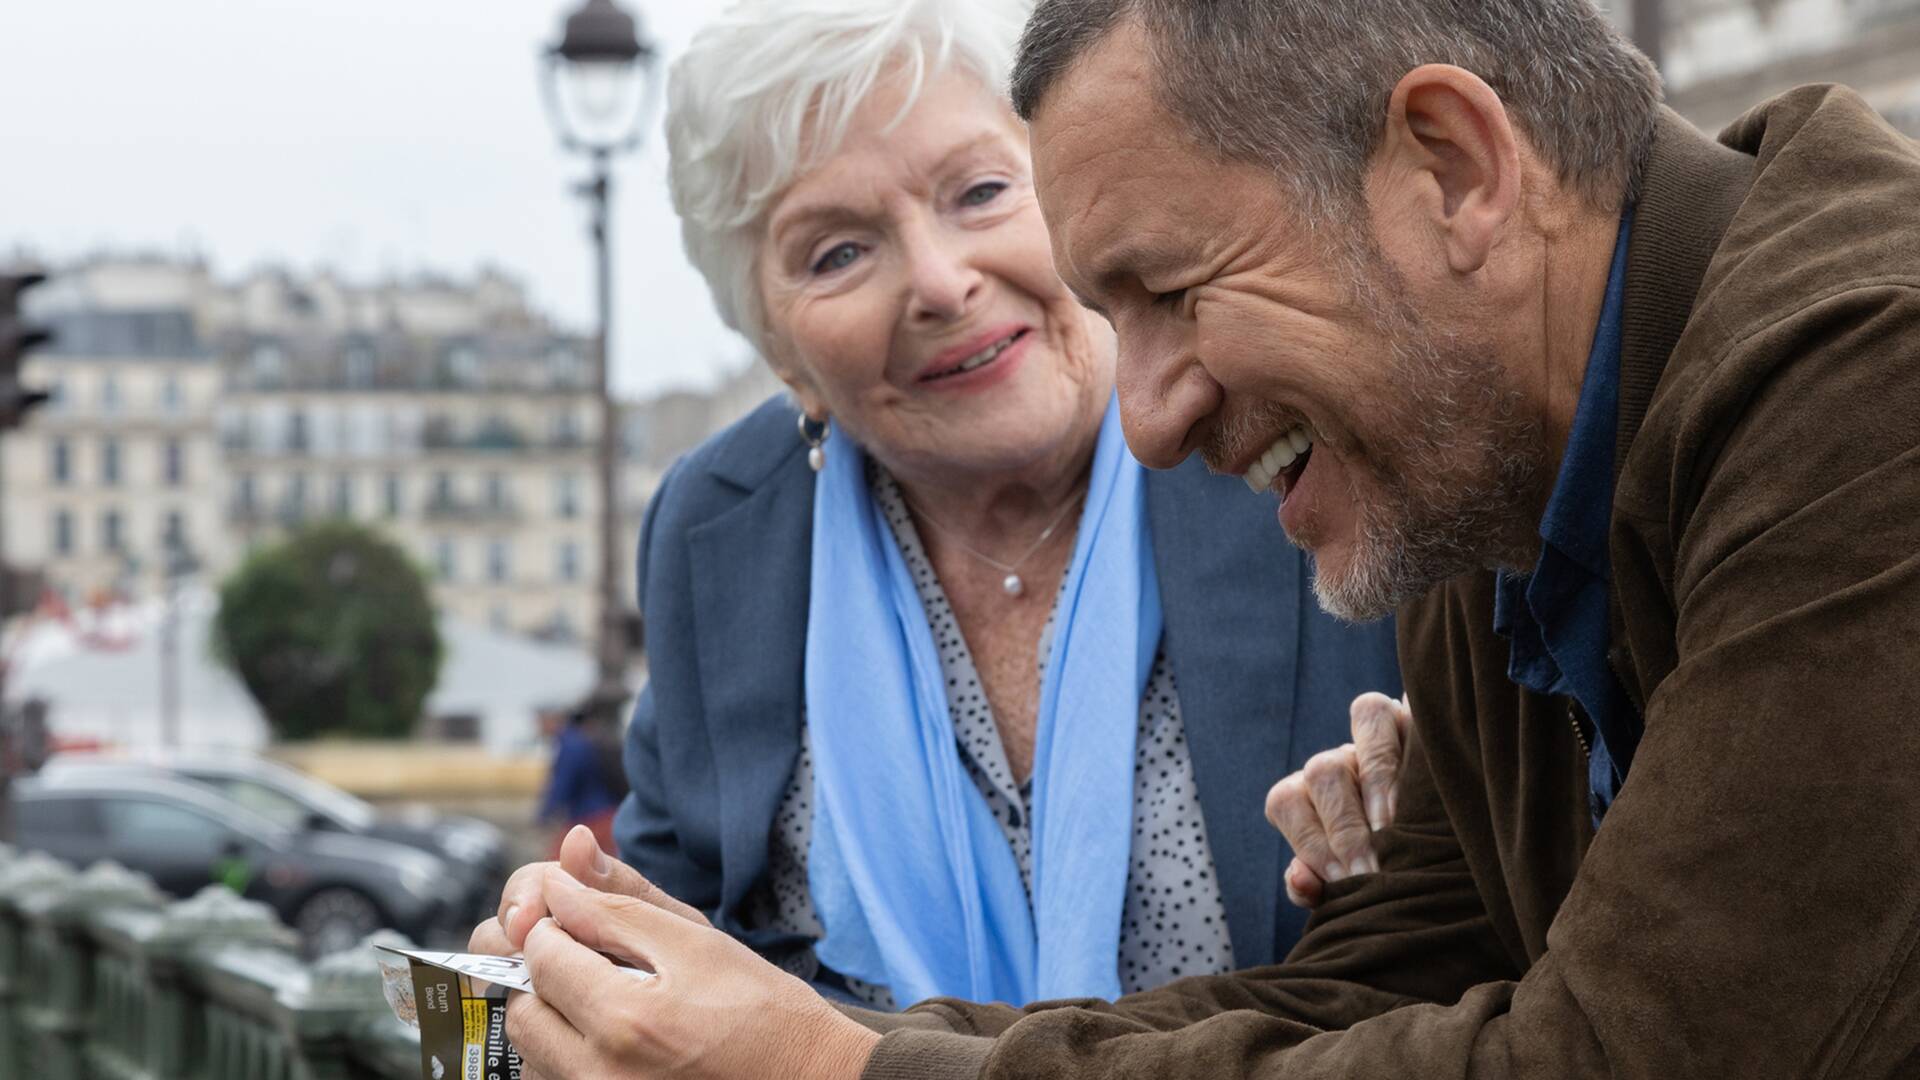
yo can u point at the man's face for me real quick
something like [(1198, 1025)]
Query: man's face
[(1243, 336)]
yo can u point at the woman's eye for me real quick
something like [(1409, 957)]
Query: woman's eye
[(982, 194), (839, 257), (1170, 299)]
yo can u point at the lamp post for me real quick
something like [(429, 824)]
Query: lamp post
[(600, 83), (180, 562)]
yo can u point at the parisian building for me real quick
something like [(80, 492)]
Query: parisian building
[(195, 420)]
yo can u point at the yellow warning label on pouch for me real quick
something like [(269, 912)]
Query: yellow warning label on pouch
[(474, 1043)]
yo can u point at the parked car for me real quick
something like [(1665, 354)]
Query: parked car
[(334, 888), (476, 849)]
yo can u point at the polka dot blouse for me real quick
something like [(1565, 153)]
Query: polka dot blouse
[(1173, 923)]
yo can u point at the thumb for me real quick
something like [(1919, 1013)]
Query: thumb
[(580, 856)]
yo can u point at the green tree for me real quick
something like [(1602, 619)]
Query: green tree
[(333, 632)]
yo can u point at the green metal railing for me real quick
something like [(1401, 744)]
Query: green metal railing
[(102, 979)]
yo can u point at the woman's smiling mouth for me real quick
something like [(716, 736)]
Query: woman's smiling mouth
[(950, 366)]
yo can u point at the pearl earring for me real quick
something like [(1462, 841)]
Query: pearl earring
[(814, 434)]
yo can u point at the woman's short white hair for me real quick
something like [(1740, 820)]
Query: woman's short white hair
[(767, 91)]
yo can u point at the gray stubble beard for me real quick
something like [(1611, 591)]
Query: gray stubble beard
[(1459, 485)]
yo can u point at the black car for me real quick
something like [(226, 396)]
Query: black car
[(474, 849), (334, 888)]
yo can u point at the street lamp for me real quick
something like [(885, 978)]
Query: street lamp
[(600, 83), (179, 561)]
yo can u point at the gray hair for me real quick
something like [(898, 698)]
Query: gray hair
[(1301, 86), (767, 91)]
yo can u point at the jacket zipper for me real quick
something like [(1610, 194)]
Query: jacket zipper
[(1573, 719)]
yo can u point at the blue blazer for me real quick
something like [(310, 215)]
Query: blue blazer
[(1265, 677)]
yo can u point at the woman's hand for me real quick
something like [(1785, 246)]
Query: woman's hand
[(523, 903), (1330, 810), (712, 1010)]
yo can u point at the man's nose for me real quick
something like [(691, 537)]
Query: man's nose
[(943, 280), (1163, 399)]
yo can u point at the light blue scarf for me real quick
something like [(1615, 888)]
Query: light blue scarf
[(911, 876)]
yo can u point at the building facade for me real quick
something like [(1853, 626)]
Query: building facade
[(200, 419)]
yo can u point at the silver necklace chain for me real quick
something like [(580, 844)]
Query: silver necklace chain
[(1012, 584)]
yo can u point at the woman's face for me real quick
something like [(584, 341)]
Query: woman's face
[(910, 293)]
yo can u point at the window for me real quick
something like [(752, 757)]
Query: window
[(393, 495), (173, 466), (567, 558), (496, 491), (61, 463), (566, 427), (70, 818), (170, 398), (297, 493), (110, 393), (343, 495), (63, 532), (463, 365), (359, 367), (174, 533), (110, 537), (443, 488), (110, 462), (445, 559), (297, 437), (162, 828), (269, 365), (243, 491), (566, 494), (498, 558)]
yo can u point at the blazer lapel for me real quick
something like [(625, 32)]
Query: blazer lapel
[(751, 574), (1231, 634)]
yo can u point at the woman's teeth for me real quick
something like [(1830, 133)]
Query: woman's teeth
[(1279, 457), (984, 356)]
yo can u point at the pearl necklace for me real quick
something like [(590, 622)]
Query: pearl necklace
[(1012, 584)]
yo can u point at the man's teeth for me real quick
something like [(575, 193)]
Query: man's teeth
[(1279, 458), (984, 355)]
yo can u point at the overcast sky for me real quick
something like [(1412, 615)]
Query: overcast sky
[(372, 136)]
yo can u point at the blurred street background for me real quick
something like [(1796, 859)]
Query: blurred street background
[(318, 506)]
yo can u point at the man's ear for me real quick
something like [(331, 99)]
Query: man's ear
[(1448, 137)]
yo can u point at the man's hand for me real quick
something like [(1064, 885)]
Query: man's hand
[(1330, 810), (522, 902), (713, 1010)]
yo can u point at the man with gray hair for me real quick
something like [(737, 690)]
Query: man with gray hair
[(1625, 422)]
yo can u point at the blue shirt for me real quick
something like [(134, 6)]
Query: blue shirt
[(1556, 617)]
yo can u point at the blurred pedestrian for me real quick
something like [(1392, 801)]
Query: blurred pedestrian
[(586, 782)]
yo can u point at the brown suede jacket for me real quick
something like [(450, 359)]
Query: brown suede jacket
[(1751, 905)]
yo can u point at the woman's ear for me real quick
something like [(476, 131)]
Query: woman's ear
[(805, 393)]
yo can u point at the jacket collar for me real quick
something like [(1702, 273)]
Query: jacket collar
[(1689, 192), (1691, 188)]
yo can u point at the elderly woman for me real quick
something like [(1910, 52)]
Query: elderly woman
[(948, 695)]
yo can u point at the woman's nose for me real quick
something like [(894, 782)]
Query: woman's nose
[(944, 281)]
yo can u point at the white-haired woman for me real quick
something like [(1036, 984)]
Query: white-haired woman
[(948, 695)]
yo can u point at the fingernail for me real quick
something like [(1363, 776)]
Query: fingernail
[(506, 921), (1336, 872), (1377, 811), (601, 864)]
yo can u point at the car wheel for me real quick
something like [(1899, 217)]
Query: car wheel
[(335, 919)]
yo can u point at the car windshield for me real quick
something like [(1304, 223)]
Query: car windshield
[(291, 798)]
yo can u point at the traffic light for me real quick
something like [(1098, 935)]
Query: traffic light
[(16, 337)]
